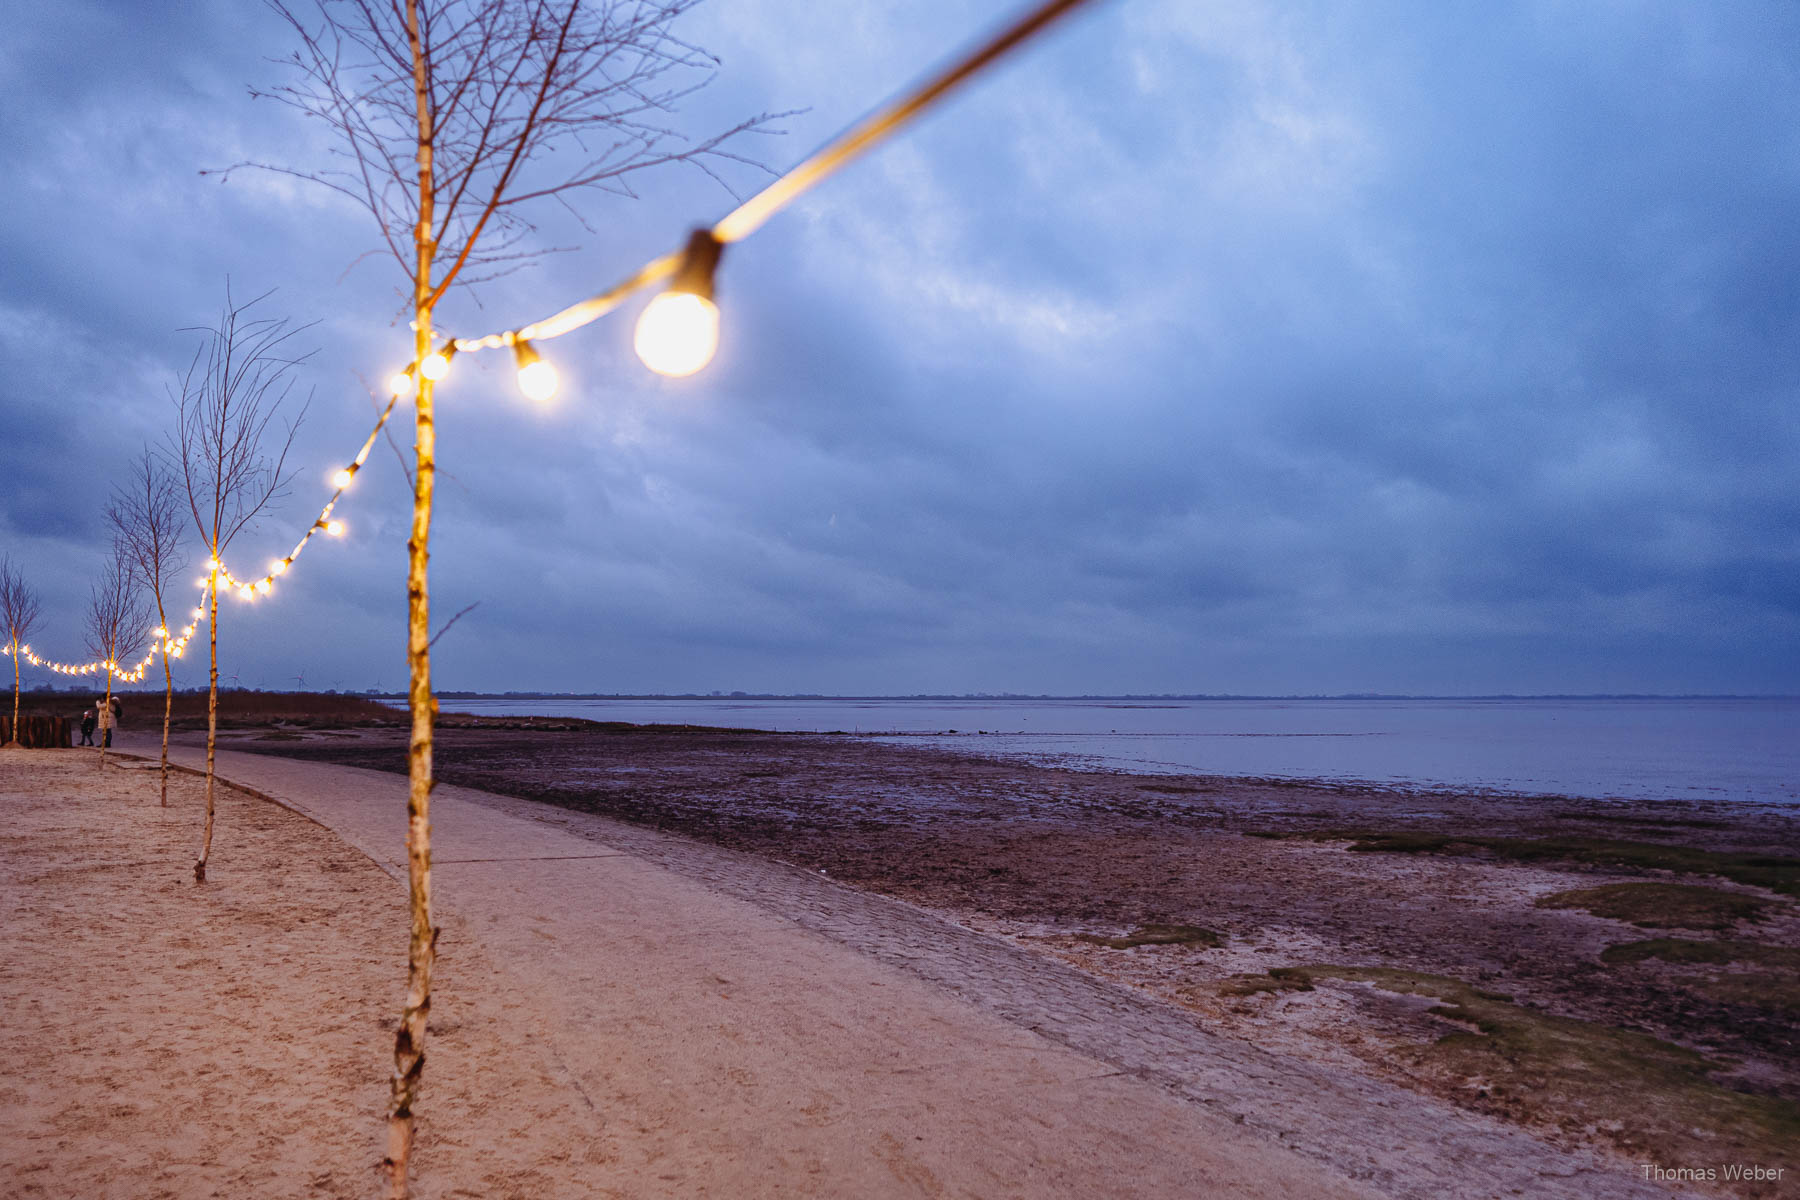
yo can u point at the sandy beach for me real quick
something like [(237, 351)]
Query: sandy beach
[(168, 1040), (819, 966)]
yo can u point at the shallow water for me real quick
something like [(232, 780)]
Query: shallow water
[(1687, 749)]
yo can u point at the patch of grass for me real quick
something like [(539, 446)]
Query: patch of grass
[(1645, 821), (1772, 993), (1773, 989), (1688, 950), (1541, 1068), (1275, 982), (1662, 905), (1778, 873), (1157, 935)]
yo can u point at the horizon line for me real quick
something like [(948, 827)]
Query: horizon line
[(466, 694)]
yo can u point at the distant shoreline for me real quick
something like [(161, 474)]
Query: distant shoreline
[(1196, 697)]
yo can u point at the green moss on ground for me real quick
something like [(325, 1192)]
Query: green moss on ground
[(1581, 1075), (1778, 873), (1688, 950), (1663, 905), (1157, 935), (1773, 988), (1274, 983), (1779, 994)]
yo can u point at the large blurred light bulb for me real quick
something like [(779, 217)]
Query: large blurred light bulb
[(537, 378), (334, 528), (342, 479), (435, 366), (678, 333), (400, 383), (679, 330)]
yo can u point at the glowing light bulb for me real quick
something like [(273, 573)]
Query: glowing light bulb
[(679, 330), (400, 383), (435, 365), (213, 564), (537, 378), (334, 528), (247, 592), (538, 381), (677, 333), (279, 566), (342, 479)]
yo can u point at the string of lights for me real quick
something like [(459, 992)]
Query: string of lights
[(676, 335), (679, 330), (219, 575), (97, 667)]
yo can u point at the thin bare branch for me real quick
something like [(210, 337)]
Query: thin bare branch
[(527, 100), (445, 627)]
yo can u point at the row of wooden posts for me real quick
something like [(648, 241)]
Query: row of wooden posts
[(38, 733)]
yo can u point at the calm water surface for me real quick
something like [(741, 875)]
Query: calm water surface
[(1729, 749)]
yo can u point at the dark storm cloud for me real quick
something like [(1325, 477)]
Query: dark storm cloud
[(1280, 348)]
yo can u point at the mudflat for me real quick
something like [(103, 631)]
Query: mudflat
[(1618, 977)]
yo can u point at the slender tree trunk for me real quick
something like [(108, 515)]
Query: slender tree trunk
[(162, 620), (15, 740), (107, 733), (212, 714), (409, 1039)]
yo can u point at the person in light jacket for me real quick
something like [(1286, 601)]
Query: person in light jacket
[(109, 716)]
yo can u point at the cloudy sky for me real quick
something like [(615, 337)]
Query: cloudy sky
[(1268, 347)]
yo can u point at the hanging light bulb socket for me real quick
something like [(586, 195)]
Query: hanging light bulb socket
[(679, 330), (699, 263), (537, 378)]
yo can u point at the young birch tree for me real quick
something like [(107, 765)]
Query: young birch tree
[(118, 620), (18, 617), (146, 518), (453, 118), (229, 399)]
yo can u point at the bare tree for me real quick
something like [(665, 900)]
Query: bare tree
[(453, 118), (118, 620), (146, 518), (229, 399), (18, 616)]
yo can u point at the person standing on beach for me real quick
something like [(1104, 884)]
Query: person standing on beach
[(87, 726), (106, 723)]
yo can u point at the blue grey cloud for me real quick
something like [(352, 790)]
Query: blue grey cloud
[(1284, 348)]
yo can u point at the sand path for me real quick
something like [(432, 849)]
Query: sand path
[(709, 1023)]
